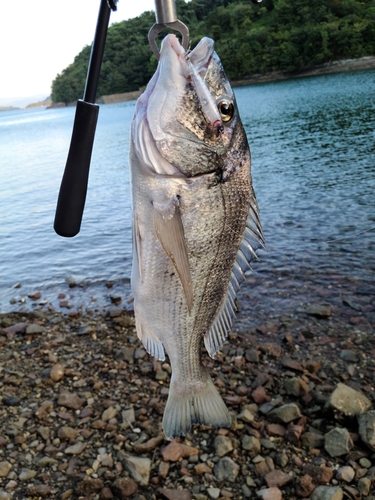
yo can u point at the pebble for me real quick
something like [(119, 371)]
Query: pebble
[(201, 469), (338, 442), (222, 445), (246, 415), (33, 329), (364, 486), (251, 443), (11, 401), (27, 474), (139, 468), (5, 468), (109, 413), (40, 490), (226, 470), (284, 414), (75, 449), (318, 310), (5, 495), (366, 423), (312, 440), (349, 401), (349, 355), (70, 400), (174, 494), (57, 372), (270, 494), (277, 478), (365, 462), (124, 487), (174, 451), (345, 473), (327, 493), (89, 486), (213, 493), (67, 433)]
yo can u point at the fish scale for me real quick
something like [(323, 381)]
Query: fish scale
[(192, 196)]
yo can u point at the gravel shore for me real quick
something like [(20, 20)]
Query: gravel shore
[(82, 403)]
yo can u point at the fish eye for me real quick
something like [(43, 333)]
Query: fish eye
[(226, 109)]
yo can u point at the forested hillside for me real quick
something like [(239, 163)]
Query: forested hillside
[(288, 35)]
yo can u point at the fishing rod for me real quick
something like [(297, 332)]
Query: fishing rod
[(73, 189)]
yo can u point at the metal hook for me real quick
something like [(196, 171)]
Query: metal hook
[(166, 17)]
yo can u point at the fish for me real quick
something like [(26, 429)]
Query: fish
[(196, 224)]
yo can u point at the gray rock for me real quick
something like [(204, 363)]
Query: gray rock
[(349, 401), (27, 474), (139, 468), (251, 443), (5, 468), (4, 495), (327, 493), (284, 414), (246, 491), (75, 449), (349, 355), (226, 470), (366, 423), (70, 400), (213, 493), (318, 310), (272, 493), (128, 417), (109, 413), (345, 473), (364, 486), (66, 432), (11, 401), (223, 445), (365, 462), (338, 442), (34, 328), (312, 440), (125, 354), (252, 355), (46, 461)]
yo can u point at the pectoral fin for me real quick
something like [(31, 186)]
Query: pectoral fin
[(170, 232)]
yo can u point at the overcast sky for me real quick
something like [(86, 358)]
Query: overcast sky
[(39, 38)]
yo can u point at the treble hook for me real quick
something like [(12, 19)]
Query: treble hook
[(166, 17)]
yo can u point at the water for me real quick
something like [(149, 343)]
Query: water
[(312, 144)]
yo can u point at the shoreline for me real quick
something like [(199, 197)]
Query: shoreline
[(82, 404), (340, 66)]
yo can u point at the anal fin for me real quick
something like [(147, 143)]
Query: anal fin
[(150, 341)]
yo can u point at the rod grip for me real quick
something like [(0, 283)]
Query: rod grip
[(73, 189)]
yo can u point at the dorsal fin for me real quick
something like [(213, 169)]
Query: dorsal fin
[(252, 240)]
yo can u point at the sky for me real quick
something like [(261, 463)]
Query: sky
[(39, 38)]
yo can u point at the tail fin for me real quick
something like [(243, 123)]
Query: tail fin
[(190, 404)]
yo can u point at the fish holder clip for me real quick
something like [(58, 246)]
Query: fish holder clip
[(166, 17)]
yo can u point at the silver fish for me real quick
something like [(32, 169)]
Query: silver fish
[(196, 225)]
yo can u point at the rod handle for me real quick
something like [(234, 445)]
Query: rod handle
[(73, 189)]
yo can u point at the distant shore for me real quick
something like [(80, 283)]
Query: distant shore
[(344, 65), (341, 66)]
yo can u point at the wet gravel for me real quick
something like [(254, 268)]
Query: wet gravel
[(81, 402)]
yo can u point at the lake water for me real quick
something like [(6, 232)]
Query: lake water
[(313, 152)]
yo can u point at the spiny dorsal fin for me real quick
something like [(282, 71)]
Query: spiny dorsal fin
[(170, 232), (252, 240)]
